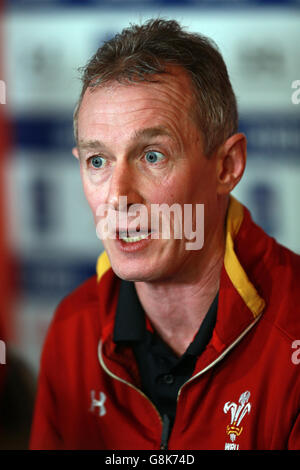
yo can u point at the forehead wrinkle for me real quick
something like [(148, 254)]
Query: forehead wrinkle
[(90, 145), (149, 132), (140, 134)]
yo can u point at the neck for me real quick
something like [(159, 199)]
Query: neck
[(176, 307)]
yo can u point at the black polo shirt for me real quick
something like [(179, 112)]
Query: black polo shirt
[(162, 372)]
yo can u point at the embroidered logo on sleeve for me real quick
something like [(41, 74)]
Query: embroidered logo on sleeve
[(98, 403), (238, 412)]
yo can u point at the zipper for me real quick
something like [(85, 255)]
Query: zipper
[(165, 432), (165, 422)]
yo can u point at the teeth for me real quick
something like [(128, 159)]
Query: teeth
[(134, 239)]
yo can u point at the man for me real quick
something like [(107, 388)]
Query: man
[(169, 347)]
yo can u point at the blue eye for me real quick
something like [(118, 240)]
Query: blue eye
[(154, 157), (97, 161)]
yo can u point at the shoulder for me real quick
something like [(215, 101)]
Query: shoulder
[(284, 290), (74, 315), (81, 298), (82, 314), (275, 271), (260, 252)]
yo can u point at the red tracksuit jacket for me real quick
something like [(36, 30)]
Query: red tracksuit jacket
[(244, 392)]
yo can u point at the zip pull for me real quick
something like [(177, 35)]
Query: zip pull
[(165, 432)]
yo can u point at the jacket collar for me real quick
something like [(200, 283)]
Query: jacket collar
[(232, 265)]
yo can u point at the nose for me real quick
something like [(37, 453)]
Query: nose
[(123, 183)]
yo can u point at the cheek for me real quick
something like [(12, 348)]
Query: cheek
[(202, 183), (172, 190), (92, 194)]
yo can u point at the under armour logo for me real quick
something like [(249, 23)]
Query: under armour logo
[(98, 403)]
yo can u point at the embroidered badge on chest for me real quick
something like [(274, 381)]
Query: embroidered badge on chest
[(238, 412)]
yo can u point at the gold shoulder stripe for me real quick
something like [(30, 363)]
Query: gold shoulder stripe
[(233, 267), (103, 265), (235, 216)]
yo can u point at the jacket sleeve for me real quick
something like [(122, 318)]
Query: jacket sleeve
[(45, 425)]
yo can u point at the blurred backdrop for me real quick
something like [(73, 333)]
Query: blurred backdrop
[(47, 239)]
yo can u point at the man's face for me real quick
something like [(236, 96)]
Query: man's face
[(141, 141)]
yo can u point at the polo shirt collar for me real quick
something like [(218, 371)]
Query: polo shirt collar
[(130, 324)]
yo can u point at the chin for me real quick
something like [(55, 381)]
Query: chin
[(131, 274), (135, 273), (145, 267)]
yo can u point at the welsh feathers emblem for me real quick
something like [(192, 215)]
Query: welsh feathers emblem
[(238, 411)]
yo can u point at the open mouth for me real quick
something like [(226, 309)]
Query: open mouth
[(133, 236), (134, 239)]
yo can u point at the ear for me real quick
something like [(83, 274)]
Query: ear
[(75, 152), (231, 163)]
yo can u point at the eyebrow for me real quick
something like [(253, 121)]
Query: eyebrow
[(149, 132), (146, 133)]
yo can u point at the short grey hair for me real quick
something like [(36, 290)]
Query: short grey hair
[(141, 51)]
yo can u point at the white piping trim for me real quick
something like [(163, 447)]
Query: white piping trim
[(219, 358), (111, 374)]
